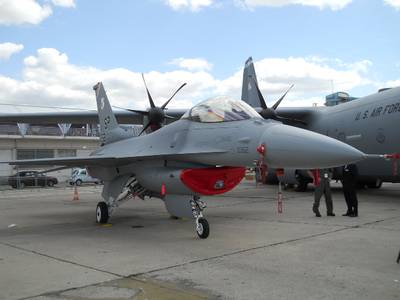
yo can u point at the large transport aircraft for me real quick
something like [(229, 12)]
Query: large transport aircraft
[(205, 152), (370, 124)]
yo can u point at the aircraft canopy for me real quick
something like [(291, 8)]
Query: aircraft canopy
[(220, 109)]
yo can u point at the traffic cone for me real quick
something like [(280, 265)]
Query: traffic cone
[(76, 195)]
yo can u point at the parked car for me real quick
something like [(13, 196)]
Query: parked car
[(80, 176), (31, 178)]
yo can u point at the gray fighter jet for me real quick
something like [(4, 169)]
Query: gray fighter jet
[(369, 124), (203, 153)]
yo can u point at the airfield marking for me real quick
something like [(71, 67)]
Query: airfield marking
[(60, 259), (261, 247), (136, 276), (255, 199)]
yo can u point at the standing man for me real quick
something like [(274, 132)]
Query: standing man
[(322, 187), (349, 183)]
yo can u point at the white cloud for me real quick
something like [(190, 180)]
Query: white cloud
[(192, 64), (48, 78), (64, 3), (394, 3), (393, 83), (332, 4), (22, 11), (8, 49), (193, 5), (17, 12), (313, 78)]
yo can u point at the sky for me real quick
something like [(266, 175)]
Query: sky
[(52, 52)]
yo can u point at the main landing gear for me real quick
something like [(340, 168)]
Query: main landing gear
[(202, 226)]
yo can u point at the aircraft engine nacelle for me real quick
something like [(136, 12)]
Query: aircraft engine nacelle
[(289, 176), (199, 181), (296, 177)]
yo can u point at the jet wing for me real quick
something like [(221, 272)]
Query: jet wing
[(65, 161), (104, 160), (77, 117)]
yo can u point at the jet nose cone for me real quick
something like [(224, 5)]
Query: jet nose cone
[(292, 147)]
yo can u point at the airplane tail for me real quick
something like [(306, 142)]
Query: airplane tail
[(249, 90), (110, 131)]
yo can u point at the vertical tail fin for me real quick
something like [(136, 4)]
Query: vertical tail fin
[(249, 90), (110, 131)]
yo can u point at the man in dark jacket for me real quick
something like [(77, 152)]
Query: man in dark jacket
[(349, 183)]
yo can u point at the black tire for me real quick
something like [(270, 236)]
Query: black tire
[(203, 230), (375, 185), (302, 185), (78, 182), (101, 213), (288, 186), (50, 183)]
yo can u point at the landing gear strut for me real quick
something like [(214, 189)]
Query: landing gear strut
[(202, 226)]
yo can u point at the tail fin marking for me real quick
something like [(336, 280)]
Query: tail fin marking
[(249, 90)]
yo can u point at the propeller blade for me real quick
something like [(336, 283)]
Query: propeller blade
[(148, 93), (283, 119), (166, 103), (262, 101), (275, 106), (169, 117), (142, 112), (144, 128)]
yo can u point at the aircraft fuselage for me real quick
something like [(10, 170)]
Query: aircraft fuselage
[(369, 124)]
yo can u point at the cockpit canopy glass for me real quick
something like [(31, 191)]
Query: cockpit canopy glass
[(221, 109)]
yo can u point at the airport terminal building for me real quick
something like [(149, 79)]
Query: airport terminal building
[(44, 142)]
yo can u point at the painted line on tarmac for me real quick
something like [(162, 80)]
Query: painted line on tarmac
[(256, 248), (32, 195), (309, 223), (62, 260), (182, 264)]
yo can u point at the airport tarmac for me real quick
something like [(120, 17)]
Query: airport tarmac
[(51, 248)]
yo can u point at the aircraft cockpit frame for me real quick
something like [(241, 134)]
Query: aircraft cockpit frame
[(220, 109)]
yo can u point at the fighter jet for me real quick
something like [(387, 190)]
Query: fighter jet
[(205, 152), (369, 124)]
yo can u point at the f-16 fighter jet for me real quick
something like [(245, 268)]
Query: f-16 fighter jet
[(204, 153)]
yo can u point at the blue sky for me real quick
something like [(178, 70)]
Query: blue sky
[(353, 45)]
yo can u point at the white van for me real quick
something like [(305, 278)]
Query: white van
[(80, 176)]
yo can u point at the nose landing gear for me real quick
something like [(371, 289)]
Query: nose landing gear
[(202, 226)]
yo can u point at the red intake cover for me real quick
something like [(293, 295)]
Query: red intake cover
[(212, 181)]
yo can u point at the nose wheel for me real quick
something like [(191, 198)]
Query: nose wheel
[(202, 226), (102, 213)]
